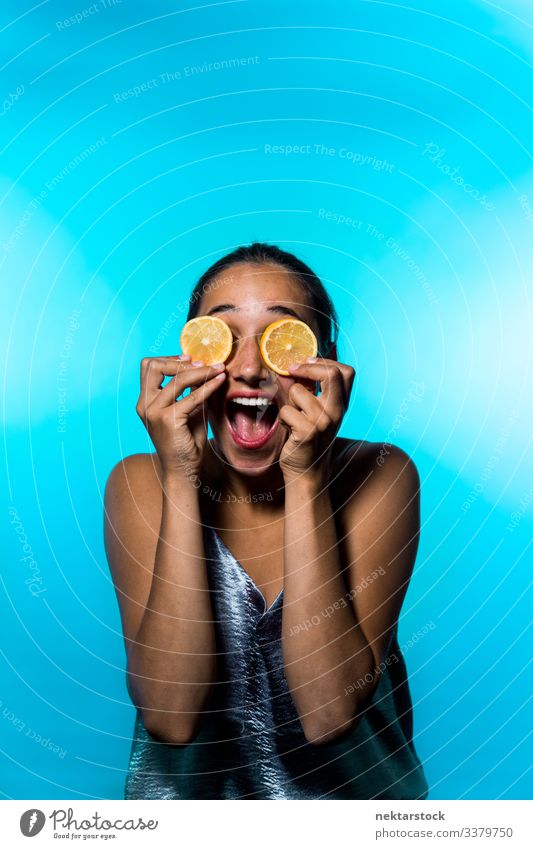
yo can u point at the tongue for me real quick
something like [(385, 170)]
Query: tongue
[(251, 425)]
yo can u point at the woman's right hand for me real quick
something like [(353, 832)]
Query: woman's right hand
[(178, 428)]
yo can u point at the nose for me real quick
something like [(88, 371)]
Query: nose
[(246, 362)]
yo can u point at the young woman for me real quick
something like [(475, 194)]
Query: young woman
[(260, 574)]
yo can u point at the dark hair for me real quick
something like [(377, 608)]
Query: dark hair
[(260, 253)]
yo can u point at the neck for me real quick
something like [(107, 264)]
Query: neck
[(227, 482), (269, 485)]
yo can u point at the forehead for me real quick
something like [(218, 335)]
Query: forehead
[(252, 288)]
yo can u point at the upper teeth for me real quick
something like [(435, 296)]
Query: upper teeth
[(252, 402)]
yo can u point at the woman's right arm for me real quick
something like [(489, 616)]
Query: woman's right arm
[(154, 544)]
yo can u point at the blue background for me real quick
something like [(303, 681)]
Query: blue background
[(115, 200)]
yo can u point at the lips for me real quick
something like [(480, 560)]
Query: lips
[(251, 418)]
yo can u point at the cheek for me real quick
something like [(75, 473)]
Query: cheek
[(284, 384)]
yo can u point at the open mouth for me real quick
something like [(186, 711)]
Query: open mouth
[(251, 420)]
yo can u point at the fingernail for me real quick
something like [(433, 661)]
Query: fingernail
[(218, 365), (184, 356), (294, 366), (197, 363), (311, 360)]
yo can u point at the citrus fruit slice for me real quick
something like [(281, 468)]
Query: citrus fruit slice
[(206, 338), (285, 342)]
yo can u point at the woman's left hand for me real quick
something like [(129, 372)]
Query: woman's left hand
[(313, 421)]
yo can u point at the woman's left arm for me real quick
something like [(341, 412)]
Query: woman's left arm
[(342, 597)]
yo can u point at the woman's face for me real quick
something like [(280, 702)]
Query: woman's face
[(249, 297)]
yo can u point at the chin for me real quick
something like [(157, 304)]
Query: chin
[(248, 435), (248, 461)]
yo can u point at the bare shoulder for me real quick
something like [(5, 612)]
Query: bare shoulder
[(363, 468), (141, 466), (132, 508), (134, 477)]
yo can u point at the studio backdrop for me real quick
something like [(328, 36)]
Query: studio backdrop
[(388, 146)]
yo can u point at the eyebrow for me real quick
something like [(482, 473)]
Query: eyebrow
[(278, 308)]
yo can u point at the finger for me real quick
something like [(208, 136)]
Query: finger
[(148, 363), (305, 401), (155, 369), (344, 368), (330, 377), (348, 377), (347, 373), (184, 379), (316, 361), (298, 424), (314, 409), (193, 402)]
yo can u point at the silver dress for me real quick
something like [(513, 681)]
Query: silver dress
[(250, 744)]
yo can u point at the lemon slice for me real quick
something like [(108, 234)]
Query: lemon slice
[(285, 342), (206, 338)]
